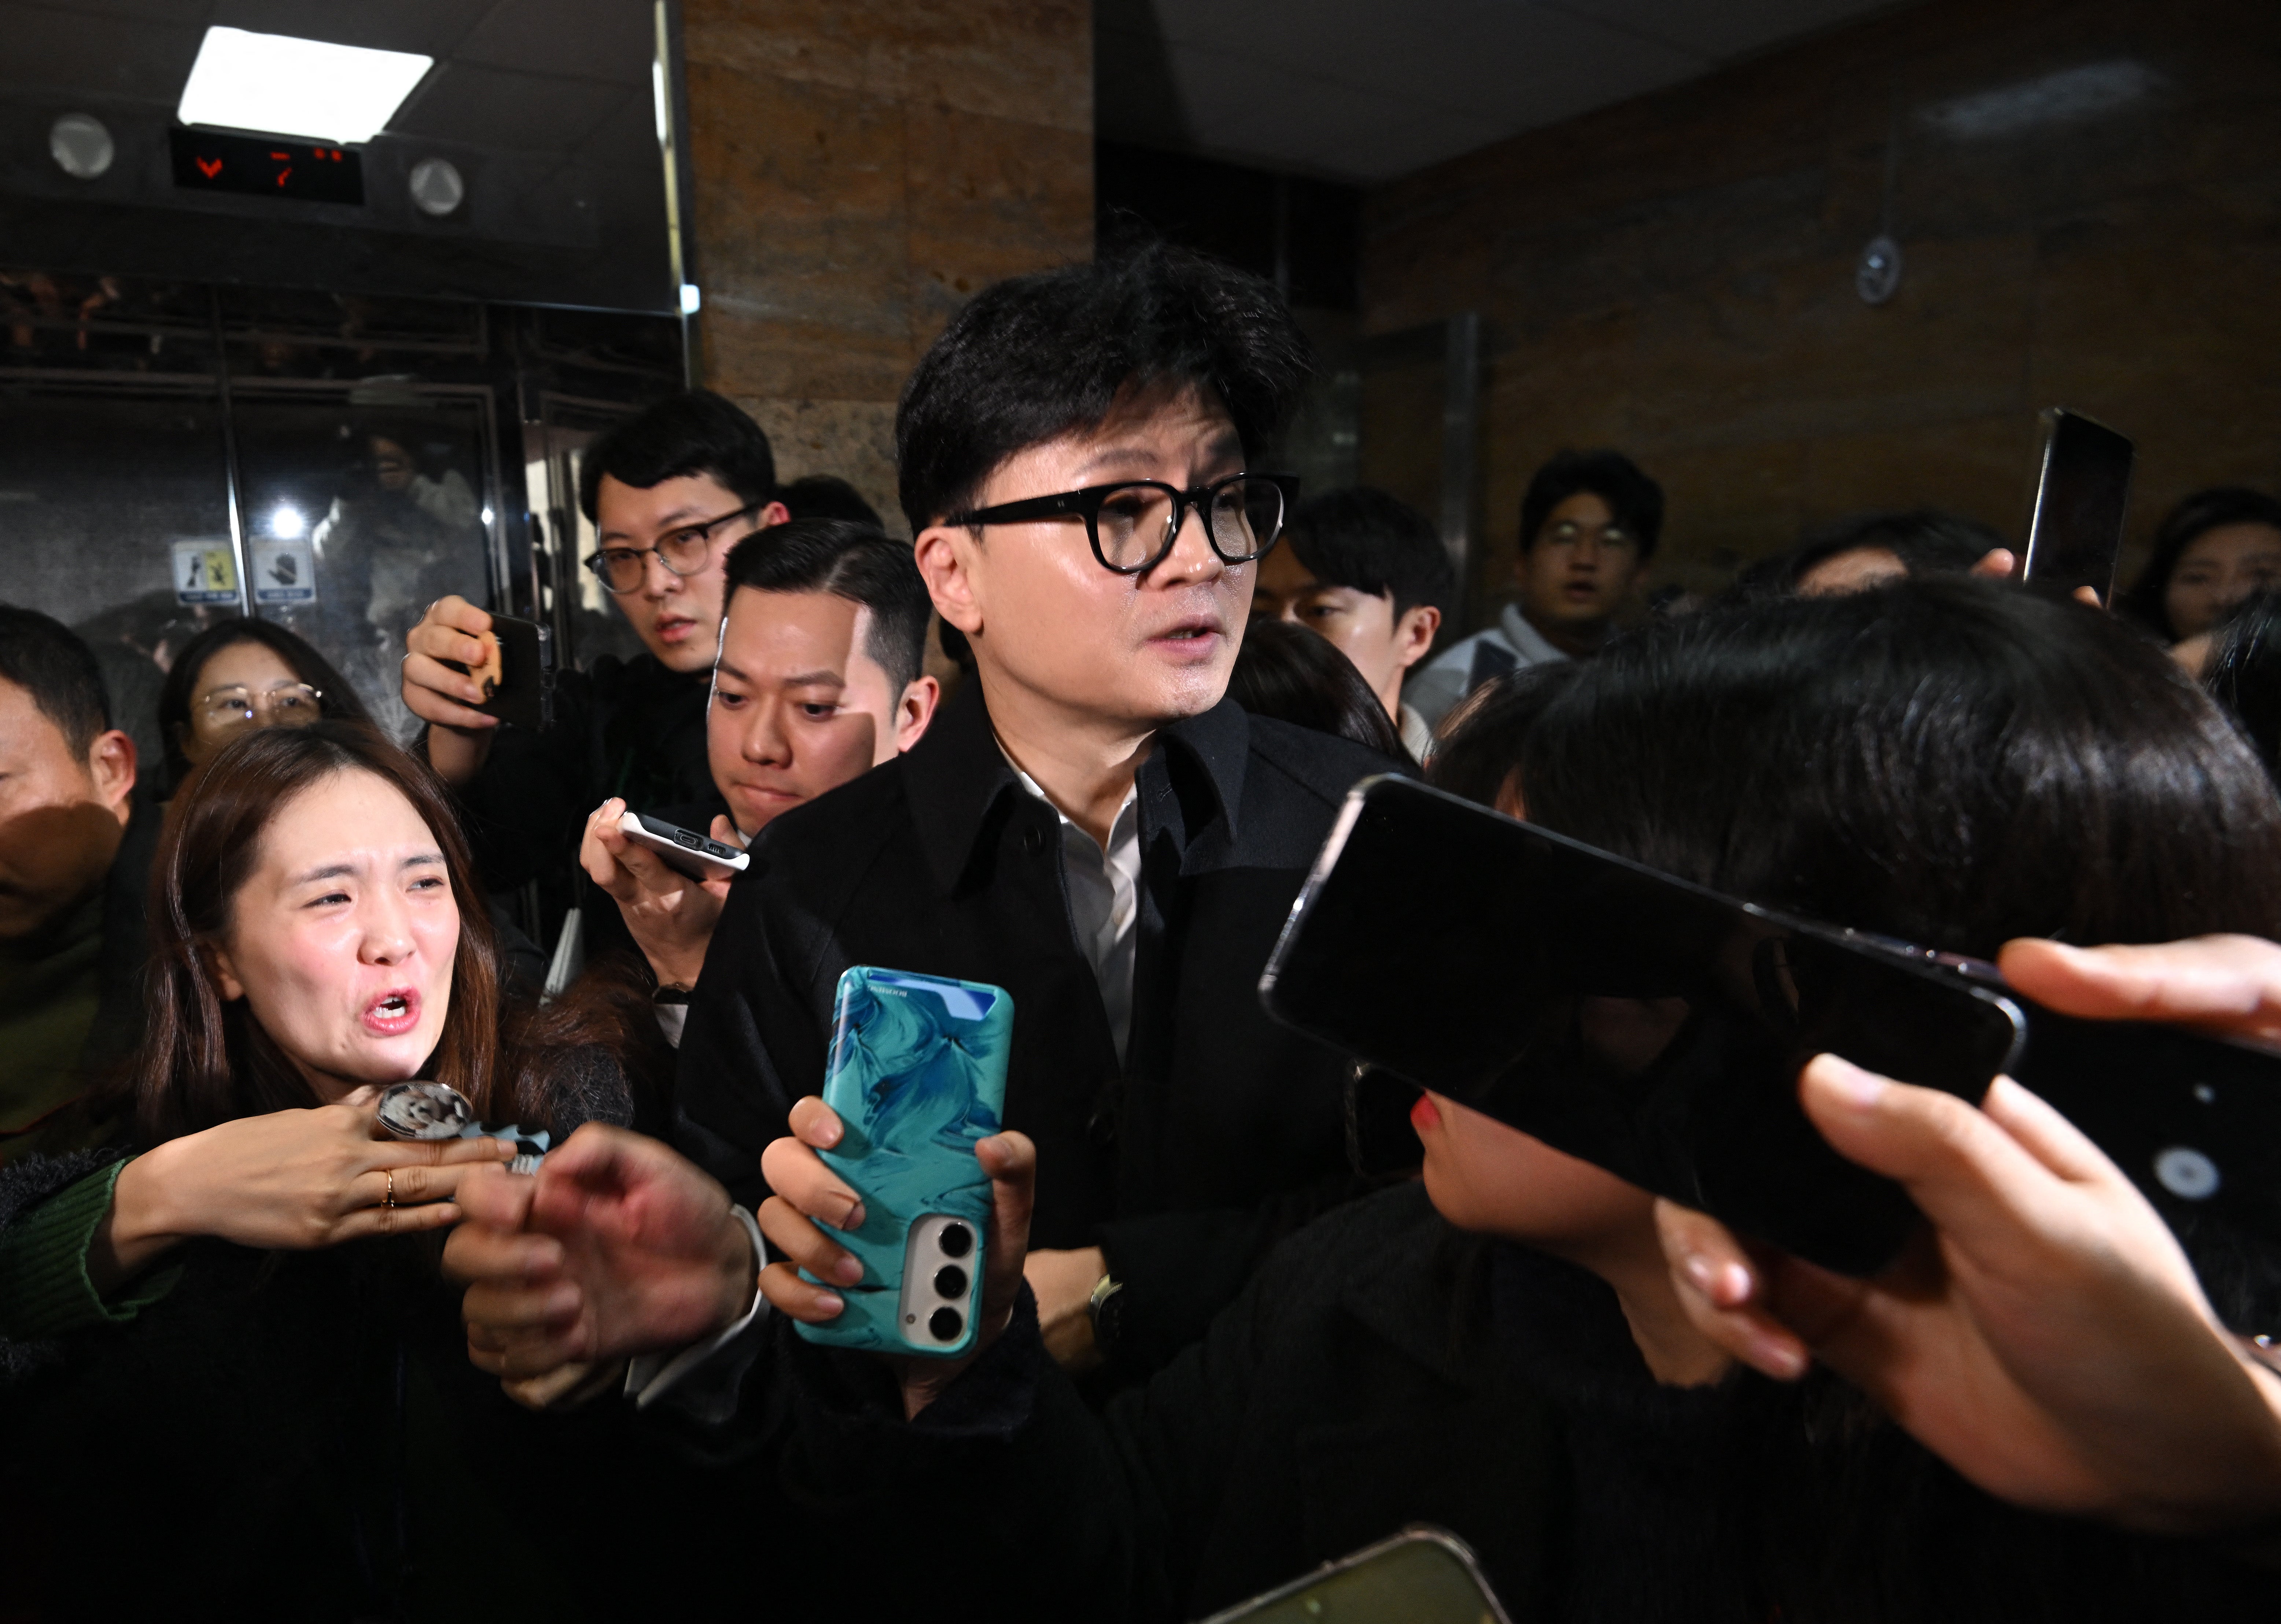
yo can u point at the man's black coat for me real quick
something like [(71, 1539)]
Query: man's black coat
[(1220, 1132)]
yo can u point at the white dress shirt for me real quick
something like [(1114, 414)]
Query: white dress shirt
[(1104, 897)]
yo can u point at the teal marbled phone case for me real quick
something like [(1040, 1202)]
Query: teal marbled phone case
[(917, 1076)]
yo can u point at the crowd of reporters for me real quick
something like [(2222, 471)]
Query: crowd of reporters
[(1247, 1306)]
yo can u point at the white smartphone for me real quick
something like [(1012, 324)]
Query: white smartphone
[(691, 853)]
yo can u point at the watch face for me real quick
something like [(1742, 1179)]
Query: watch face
[(1109, 1314), (424, 1110)]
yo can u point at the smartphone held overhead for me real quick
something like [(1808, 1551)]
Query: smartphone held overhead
[(2083, 490), (1656, 1028)]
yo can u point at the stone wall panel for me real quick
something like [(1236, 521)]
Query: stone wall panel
[(1674, 276)]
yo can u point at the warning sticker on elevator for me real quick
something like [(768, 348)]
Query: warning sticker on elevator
[(284, 571), (206, 571)]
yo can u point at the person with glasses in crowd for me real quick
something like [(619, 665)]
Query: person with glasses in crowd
[(1091, 823), (239, 674), (669, 493), (1587, 527)]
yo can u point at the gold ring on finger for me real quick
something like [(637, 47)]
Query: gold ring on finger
[(388, 1200)]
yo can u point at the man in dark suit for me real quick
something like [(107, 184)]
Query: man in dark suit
[(1089, 823)]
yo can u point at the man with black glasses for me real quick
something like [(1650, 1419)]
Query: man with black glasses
[(670, 491), (1088, 823)]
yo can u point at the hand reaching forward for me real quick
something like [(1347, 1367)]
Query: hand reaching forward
[(669, 915), (617, 1246), (807, 1190), (290, 1179), (2046, 1336)]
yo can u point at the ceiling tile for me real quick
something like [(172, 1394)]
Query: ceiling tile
[(1353, 86), (1414, 146), (487, 106), (1730, 28), (594, 39), (57, 52), (195, 14)]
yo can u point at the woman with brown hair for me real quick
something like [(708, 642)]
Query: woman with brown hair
[(248, 1290)]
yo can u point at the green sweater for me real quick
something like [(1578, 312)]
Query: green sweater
[(45, 1290), (50, 990)]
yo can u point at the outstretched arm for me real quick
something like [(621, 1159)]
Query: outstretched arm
[(617, 1247)]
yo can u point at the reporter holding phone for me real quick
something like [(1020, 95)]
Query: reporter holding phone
[(1504, 1350), (820, 678), (238, 1282), (670, 491)]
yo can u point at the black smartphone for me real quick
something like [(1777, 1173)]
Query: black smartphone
[(2082, 492), (684, 850), (517, 674), (1656, 1028)]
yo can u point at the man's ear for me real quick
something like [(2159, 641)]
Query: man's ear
[(774, 514), (1414, 634), (111, 765), (940, 553), (915, 710)]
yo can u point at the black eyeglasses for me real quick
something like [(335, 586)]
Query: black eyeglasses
[(684, 552), (1134, 524)]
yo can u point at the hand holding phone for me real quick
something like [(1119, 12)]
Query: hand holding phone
[(807, 1197), (514, 672), (2052, 1289), (1657, 1030), (917, 1078), (670, 908), (436, 687)]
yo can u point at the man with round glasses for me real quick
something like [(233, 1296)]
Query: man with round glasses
[(1088, 821), (669, 493)]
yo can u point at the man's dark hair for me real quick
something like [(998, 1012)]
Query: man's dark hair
[(1035, 357), (2244, 674), (854, 561), (827, 496), (1635, 500), (47, 660), (1477, 745), (1927, 540), (2183, 526), (693, 432), (1371, 542), (1288, 673)]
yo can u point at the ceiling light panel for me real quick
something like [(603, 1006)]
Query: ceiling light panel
[(279, 85)]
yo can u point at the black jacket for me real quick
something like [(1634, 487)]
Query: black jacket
[(1382, 1370), (629, 728), (1221, 1130)]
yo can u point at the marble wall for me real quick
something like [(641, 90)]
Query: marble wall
[(862, 166), (2087, 195)]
